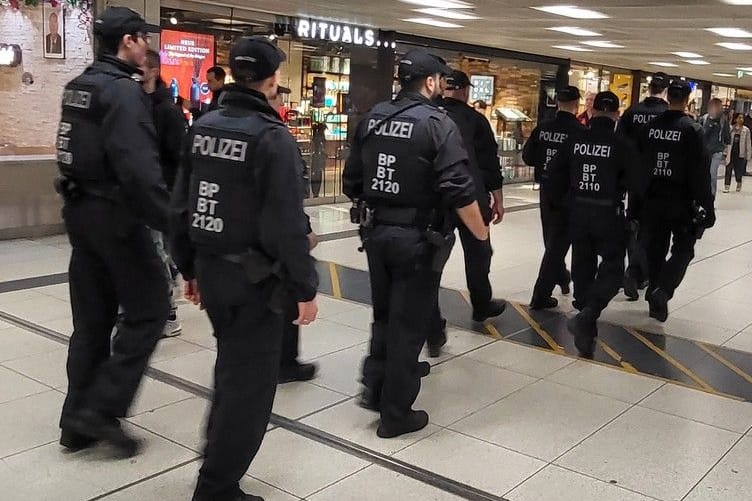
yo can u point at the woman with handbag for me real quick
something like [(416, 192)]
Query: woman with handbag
[(739, 153)]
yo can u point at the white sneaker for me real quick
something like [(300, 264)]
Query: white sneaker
[(172, 328)]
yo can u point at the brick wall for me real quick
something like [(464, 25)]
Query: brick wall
[(29, 113)]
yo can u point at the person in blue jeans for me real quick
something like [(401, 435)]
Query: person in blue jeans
[(717, 136)]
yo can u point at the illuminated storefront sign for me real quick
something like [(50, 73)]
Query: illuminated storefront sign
[(336, 32), (10, 55)]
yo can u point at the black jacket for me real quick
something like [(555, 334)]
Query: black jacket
[(546, 140), (482, 150), (246, 150), (672, 148), (107, 139), (596, 166), (171, 130), (639, 115), (431, 161)]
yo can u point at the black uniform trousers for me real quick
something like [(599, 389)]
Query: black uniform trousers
[(666, 221), (114, 262), (597, 231), (477, 267), (404, 294), (290, 334), (556, 239), (249, 337)]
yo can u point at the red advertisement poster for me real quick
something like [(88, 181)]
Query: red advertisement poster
[(185, 58)]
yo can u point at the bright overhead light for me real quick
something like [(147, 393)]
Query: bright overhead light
[(574, 48), (734, 45), (571, 11), (663, 64), (447, 13), (697, 62), (738, 2), (173, 20), (603, 44), (731, 32), (573, 30), (440, 4), (744, 69), (688, 55), (432, 22), (727, 75)]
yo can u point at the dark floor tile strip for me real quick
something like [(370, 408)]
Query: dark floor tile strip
[(144, 479), (33, 282), (416, 473)]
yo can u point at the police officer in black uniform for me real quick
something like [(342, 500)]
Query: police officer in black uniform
[(483, 162), (596, 167), (543, 145), (113, 189), (407, 165), (679, 201), (631, 123), (238, 228)]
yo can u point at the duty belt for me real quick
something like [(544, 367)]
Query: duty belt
[(402, 216), (602, 202), (258, 268)]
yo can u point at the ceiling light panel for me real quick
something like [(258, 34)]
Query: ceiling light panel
[(730, 32), (571, 11), (727, 75), (738, 2), (448, 14), (574, 48), (440, 4), (573, 30), (734, 46), (697, 62), (688, 55), (603, 44), (663, 64), (432, 22)]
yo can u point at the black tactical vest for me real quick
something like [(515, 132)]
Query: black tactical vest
[(551, 137), (223, 202), (398, 153), (80, 140), (594, 167), (665, 152)]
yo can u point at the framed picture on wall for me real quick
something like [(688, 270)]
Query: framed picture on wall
[(53, 27), (482, 89)]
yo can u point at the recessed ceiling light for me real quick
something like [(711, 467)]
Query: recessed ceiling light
[(440, 4), (731, 32), (728, 75), (744, 69), (575, 48), (603, 44), (432, 22), (663, 64), (571, 11), (735, 45), (697, 62), (573, 30), (738, 2), (687, 55), (448, 14)]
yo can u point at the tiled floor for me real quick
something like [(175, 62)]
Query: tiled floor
[(507, 419)]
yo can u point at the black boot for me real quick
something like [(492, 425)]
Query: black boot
[(297, 372), (415, 421), (89, 423), (494, 309), (564, 283), (369, 400), (240, 496), (584, 329), (424, 369), (658, 302), (543, 303), (75, 442), (630, 288)]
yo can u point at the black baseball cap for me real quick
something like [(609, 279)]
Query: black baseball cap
[(679, 88), (568, 94), (418, 63), (660, 80), (457, 80), (256, 56), (606, 101), (119, 21)]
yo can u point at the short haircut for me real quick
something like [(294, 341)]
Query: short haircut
[(677, 97), (656, 89), (54, 14), (219, 72), (715, 100), (152, 59)]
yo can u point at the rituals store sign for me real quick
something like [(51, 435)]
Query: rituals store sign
[(335, 32)]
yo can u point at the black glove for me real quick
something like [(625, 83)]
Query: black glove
[(709, 218)]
